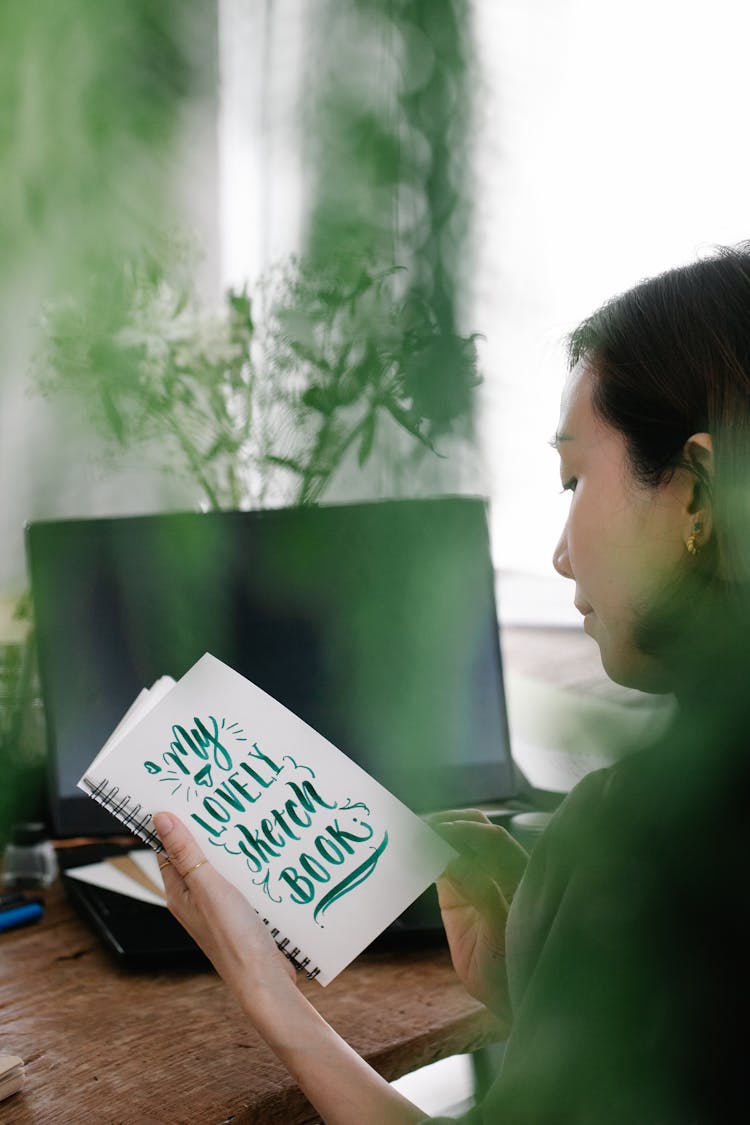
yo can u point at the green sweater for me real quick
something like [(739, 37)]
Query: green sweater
[(607, 943)]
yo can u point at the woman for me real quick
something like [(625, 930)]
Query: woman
[(626, 939)]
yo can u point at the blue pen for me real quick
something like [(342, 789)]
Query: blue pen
[(20, 915)]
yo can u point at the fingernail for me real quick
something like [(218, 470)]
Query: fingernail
[(163, 823)]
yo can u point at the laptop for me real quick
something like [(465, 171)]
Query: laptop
[(374, 622)]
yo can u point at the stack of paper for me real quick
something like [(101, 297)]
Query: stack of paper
[(135, 874)]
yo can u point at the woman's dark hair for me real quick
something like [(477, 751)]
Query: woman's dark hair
[(671, 358)]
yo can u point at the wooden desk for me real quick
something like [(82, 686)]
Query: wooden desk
[(106, 1047), (103, 1046)]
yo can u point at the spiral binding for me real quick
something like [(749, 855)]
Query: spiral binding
[(136, 820), (133, 819)]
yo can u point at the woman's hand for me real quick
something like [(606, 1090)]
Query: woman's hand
[(219, 918), (341, 1086), (475, 893)]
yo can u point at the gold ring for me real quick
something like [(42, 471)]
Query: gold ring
[(165, 864), (194, 868)]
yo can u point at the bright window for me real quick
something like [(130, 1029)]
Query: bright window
[(611, 146)]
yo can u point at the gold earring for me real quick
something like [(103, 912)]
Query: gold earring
[(691, 544)]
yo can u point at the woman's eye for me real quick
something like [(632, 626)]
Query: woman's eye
[(570, 485)]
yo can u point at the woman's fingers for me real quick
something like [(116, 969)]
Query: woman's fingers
[(448, 815), (187, 864), (491, 847), (465, 883), (217, 915)]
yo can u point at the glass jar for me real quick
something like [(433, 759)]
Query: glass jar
[(29, 859)]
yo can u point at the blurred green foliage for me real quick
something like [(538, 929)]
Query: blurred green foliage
[(352, 347), (90, 99), (360, 337), (22, 760), (246, 411), (389, 134), (359, 332)]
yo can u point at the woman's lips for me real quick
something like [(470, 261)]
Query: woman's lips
[(586, 612)]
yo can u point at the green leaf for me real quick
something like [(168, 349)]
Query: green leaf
[(113, 416), (319, 398), (241, 316), (309, 354), (408, 421), (368, 437), (286, 463)]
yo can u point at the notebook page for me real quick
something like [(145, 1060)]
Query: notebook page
[(142, 704)]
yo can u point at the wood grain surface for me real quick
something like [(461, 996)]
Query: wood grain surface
[(106, 1046)]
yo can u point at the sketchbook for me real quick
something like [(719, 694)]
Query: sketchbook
[(326, 855)]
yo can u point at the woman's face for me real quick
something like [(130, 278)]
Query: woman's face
[(622, 542)]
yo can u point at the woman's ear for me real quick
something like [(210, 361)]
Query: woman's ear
[(698, 455)]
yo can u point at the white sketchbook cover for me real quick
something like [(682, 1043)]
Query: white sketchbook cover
[(325, 854)]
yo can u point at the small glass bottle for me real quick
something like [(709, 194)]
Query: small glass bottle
[(29, 859)]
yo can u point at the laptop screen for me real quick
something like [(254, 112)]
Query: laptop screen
[(374, 622)]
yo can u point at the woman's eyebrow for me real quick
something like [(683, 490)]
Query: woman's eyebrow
[(558, 438)]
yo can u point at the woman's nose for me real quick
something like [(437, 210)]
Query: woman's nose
[(560, 559)]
